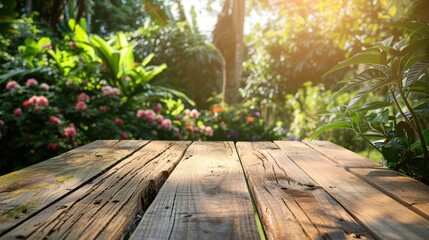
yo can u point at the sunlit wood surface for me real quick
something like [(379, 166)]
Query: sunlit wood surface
[(211, 190)]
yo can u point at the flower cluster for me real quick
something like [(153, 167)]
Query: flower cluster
[(37, 102), (110, 91), (32, 126)]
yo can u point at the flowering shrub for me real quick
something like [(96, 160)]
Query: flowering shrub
[(57, 96), (31, 126)]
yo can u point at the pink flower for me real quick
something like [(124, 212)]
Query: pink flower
[(150, 114), (33, 100), (53, 146), (44, 86), (17, 112), (27, 104), (202, 128), (166, 124), (37, 100), (209, 131), (12, 85), (187, 112), (160, 118), (31, 82), (69, 131), (1, 123), (150, 119), (80, 105), (118, 121), (83, 97), (141, 114), (106, 90), (109, 91), (42, 101), (54, 120), (124, 135), (157, 108), (116, 91), (103, 109), (194, 113)]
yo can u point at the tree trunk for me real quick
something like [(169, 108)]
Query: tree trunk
[(28, 8), (228, 37)]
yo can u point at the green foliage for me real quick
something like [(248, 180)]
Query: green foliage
[(8, 17), (56, 94), (241, 123), (301, 116), (88, 101), (301, 40), (397, 70), (112, 16), (194, 65)]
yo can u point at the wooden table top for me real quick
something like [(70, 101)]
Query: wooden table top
[(211, 190)]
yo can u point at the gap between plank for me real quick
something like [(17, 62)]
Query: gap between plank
[(154, 190), (261, 230)]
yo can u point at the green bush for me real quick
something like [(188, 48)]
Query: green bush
[(194, 64), (395, 126)]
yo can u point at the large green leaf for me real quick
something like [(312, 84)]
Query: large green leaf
[(372, 106), (386, 42), (147, 59), (416, 71), (19, 73), (403, 129), (365, 76), (426, 135), (107, 53), (360, 58), (358, 122), (370, 88), (414, 47), (330, 126), (126, 56), (394, 149)]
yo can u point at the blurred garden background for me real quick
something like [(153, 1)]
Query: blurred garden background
[(353, 72)]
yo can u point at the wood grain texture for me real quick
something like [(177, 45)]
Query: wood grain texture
[(290, 204), (106, 207), (205, 197), (340, 155), (404, 189), (384, 217), (24, 192)]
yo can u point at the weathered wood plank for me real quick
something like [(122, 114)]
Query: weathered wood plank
[(340, 155), (290, 204), (106, 207), (406, 190), (205, 197), (384, 217), (24, 192)]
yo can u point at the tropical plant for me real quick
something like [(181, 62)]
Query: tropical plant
[(398, 70), (194, 65)]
